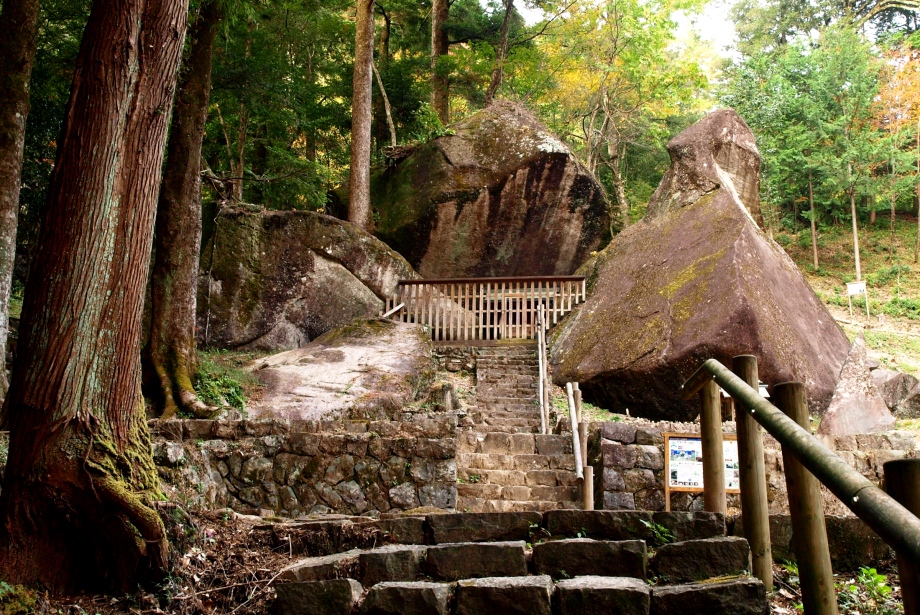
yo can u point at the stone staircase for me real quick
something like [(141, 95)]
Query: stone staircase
[(503, 462), (562, 562)]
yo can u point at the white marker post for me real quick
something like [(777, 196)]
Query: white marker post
[(854, 289)]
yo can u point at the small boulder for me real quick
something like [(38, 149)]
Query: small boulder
[(909, 407), (894, 386), (856, 407)]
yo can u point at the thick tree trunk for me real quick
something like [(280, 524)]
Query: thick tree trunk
[(814, 231), (440, 92), (73, 505), (498, 72), (359, 181), (19, 22), (170, 352)]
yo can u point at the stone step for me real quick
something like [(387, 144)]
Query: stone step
[(493, 461), (519, 493), (528, 478), (514, 444), (509, 506), (534, 595)]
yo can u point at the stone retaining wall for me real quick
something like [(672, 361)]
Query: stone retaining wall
[(628, 460), (294, 468)]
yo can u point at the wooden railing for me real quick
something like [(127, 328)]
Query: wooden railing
[(807, 463), (485, 309)]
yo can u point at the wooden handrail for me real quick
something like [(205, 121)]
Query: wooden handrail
[(896, 525), (573, 424), (529, 278)]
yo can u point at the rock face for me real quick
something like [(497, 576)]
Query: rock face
[(696, 282), (362, 370), (274, 280), (719, 151), (857, 407), (501, 196), (894, 386)]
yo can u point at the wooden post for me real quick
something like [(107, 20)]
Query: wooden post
[(713, 453), (902, 482), (573, 426), (806, 507), (583, 440), (577, 402), (752, 476), (588, 489)]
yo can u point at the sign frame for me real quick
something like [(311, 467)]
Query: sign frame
[(668, 489)]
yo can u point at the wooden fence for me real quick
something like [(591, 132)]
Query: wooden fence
[(485, 309)]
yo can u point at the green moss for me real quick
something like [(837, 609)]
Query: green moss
[(17, 599)]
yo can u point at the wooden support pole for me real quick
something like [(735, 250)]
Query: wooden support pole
[(752, 476), (806, 507), (588, 489), (577, 402), (573, 425), (902, 482), (583, 440), (713, 453)]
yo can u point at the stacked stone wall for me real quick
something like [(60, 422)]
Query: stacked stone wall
[(628, 457), (295, 468)]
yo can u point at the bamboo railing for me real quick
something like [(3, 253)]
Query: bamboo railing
[(807, 463), (485, 309)]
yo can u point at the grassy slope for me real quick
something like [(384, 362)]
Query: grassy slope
[(893, 330)]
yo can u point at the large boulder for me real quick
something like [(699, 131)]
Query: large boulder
[(717, 152), (366, 369), (696, 282), (500, 196), (857, 406), (274, 280)]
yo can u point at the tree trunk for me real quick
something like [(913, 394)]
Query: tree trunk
[(75, 500), (19, 19), (386, 107), (814, 231), (500, 54), (894, 213), (440, 93), (170, 352), (855, 233), (617, 154), (359, 181), (382, 121)]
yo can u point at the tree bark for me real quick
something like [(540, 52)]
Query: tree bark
[(617, 153), (855, 233), (440, 92), (19, 22), (498, 72), (359, 181), (74, 504), (170, 357), (814, 231)]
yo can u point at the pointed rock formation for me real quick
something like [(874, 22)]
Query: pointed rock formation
[(692, 282), (857, 406)]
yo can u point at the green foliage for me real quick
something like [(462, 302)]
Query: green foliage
[(16, 599), (867, 594), (660, 534), (220, 383), (902, 307)]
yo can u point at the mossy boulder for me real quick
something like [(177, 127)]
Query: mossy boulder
[(699, 281), (274, 280), (500, 196)]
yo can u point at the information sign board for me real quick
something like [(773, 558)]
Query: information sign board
[(683, 463)]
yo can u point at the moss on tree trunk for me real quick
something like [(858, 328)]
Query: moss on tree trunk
[(170, 358), (80, 478)]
